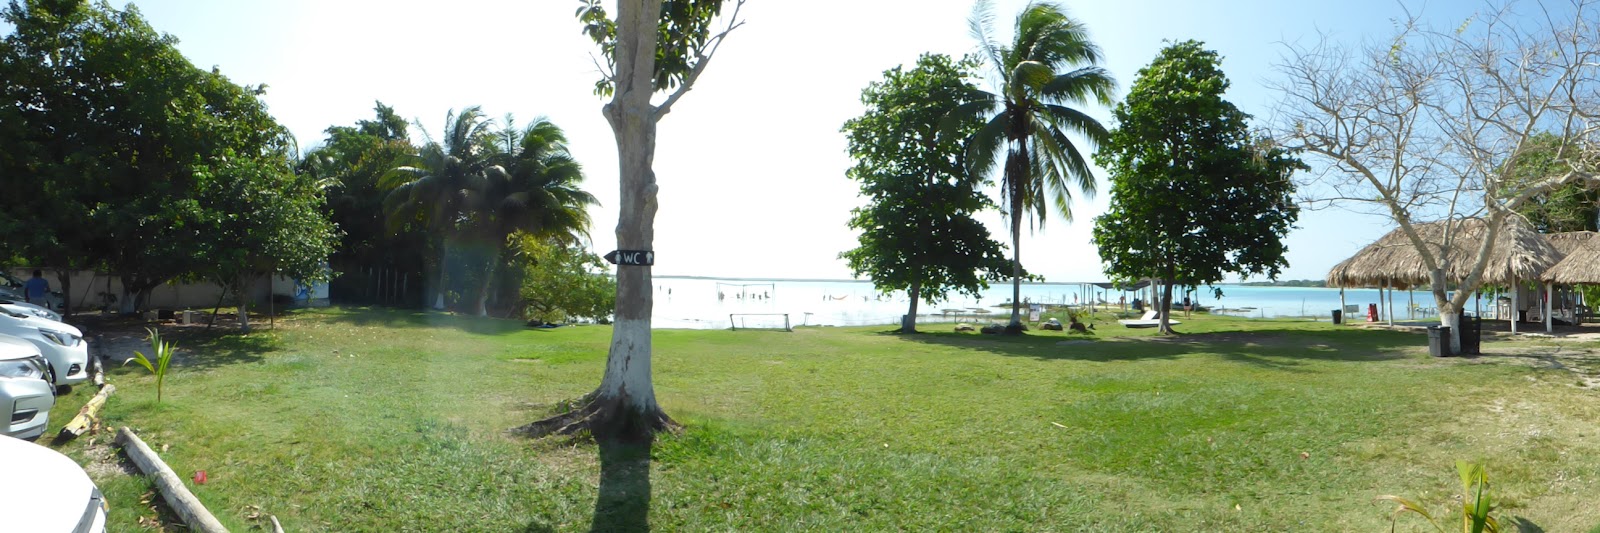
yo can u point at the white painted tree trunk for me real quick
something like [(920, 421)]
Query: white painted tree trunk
[(244, 303), (627, 385)]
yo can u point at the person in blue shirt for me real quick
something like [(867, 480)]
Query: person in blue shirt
[(35, 288)]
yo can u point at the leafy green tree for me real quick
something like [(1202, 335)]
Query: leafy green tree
[(262, 219), (562, 280), (350, 165), (918, 233), (1049, 67), (433, 189), (1193, 194), (111, 126), (651, 45), (1574, 206)]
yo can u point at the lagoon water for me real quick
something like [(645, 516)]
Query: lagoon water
[(693, 303)]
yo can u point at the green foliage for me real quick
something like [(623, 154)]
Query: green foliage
[(918, 232), (261, 218), (1048, 70), (110, 135), (1194, 195), (162, 351), (684, 31), (349, 166), (562, 280), (1571, 207), (1476, 503)]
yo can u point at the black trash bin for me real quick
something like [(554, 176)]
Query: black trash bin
[(1471, 334), (1338, 316), (1439, 341)]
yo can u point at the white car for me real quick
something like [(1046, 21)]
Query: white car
[(25, 394), (20, 306), (62, 345), (45, 491)]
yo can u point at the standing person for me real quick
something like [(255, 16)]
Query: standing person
[(35, 288)]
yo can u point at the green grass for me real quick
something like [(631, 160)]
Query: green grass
[(362, 420)]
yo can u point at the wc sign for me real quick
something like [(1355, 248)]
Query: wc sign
[(632, 257)]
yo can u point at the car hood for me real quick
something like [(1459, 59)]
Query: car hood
[(29, 309), (26, 319), (44, 490), (15, 348)]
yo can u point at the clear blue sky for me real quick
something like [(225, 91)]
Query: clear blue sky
[(751, 163)]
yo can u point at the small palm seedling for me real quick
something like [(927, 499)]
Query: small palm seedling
[(1475, 502), (163, 355)]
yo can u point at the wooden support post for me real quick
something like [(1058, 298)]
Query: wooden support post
[(1516, 291), (86, 416), (1549, 305), (177, 496)]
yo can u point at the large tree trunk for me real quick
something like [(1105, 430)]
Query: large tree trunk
[(1015, 326), (65, 277), (244, 293), (1166, 303), (624, 406), (444, 254), (909, 324), (483, 289)]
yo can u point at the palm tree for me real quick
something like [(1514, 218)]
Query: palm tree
[(1049, 66), (533, 188), (434, 188)]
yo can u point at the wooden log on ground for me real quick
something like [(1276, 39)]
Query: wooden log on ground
[(86, 416), (276, 527), (171, 486)]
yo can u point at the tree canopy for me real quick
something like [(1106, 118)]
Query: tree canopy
[(1193, 194), (918, 233)]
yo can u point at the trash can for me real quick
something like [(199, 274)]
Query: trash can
[(1439, 341), (1338, 316), (1471, 334)]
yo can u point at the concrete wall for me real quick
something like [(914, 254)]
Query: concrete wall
[(88, 285)]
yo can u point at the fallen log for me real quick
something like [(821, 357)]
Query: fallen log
[(86, 416), (171, 486)]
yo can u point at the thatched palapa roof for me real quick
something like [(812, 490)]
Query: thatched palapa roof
[(1581, 265), (1570, 241), (1519, 254)]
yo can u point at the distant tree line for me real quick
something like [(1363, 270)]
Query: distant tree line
[(122, 156)]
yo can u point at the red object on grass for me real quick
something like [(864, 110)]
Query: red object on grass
[(199, 477)]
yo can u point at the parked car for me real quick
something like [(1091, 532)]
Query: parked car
[(26, 395), (11, 289), (62, 345), (30, 309), (45, 491)]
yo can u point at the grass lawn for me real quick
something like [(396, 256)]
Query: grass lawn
[(375, 420)]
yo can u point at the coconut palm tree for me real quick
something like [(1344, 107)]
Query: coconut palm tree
[(533, 188), (434, 187), (1048, 68)]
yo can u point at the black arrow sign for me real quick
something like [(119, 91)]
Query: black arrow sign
[(632, 257)]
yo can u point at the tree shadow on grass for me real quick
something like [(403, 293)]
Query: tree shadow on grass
[(412, 318), (1276, 349), (624, 500)]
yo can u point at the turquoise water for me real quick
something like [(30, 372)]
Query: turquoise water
[(694, 303)]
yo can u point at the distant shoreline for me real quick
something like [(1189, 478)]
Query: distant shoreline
[(825, 280)]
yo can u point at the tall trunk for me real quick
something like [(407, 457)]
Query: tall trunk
[(244, 293), (65, 277), (909, 324), (483, 289), (1166, 302), (1016, 260), (444, 254), (627, 396), (1447, 309)]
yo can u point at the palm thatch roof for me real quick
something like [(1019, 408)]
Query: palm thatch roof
[(1581, 265), (1519, 254), (1570, 241)]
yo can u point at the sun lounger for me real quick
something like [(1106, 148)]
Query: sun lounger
[(1149, 320)]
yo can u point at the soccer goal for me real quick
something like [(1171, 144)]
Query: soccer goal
[(772, 321), (746, 291)]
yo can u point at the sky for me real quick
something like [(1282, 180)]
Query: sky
[(751, 163)]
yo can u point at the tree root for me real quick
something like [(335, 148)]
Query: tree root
[(601, 418)]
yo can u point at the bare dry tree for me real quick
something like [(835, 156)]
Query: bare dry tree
[(1425, 124)]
